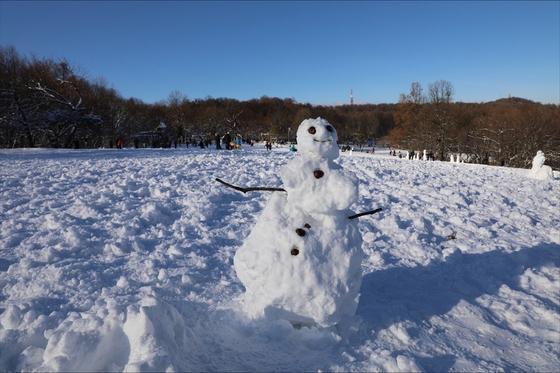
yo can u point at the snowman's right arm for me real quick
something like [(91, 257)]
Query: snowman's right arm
[(365, 213), (251, 189)]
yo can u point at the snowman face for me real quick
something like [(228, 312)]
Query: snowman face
[(317, 138)]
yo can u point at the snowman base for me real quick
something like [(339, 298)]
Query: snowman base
[(297, 321), (299, 274)]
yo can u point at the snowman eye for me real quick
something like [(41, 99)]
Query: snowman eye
[(329, 128), (311, 130), (318, 174)]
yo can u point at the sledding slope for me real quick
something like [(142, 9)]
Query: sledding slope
[(113, 260)]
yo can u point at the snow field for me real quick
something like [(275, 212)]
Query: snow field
[(123, 260)]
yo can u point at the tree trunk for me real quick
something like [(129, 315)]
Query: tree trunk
[(25, 123), (68, 142)]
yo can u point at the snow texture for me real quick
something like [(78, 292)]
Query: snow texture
[(117, 260), (302, 260)]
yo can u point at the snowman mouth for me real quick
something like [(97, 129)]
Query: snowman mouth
[(322, 140)]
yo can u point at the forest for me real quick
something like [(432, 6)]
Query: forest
[(46, 103)]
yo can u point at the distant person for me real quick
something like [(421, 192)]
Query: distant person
[(227, 141), (120, 143), (218, 140)]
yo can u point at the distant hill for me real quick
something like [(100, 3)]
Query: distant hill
[(512, 100)]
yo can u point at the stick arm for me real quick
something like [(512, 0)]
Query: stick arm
[(250, 189), (365, 213), (269, 189)]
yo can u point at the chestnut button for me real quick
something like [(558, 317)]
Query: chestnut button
[(307, 226), (300, 232), (311, 130), (294, 251), (318, 174)]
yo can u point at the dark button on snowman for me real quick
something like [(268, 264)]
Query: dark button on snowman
[(302, 260)]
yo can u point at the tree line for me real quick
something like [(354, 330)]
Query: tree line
[(505, 132), (47, 103)]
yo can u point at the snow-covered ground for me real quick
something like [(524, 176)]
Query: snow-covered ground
[(114, 260)]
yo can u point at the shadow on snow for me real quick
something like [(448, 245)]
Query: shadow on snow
[(418, 293)]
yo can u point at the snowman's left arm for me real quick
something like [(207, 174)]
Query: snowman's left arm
[(251, 189)]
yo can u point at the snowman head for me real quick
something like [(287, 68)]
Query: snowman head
[(317, 138)]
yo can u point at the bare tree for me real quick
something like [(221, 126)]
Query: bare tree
[(440, 92), (64, 110), (17, 110), (415, 96), (416, 93)]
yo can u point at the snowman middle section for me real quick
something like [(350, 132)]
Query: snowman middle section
[(302, 260)]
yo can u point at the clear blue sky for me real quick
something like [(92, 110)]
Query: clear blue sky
[(313, 51)]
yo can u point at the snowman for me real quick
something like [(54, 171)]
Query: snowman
[(302, 260), (539, 170)]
